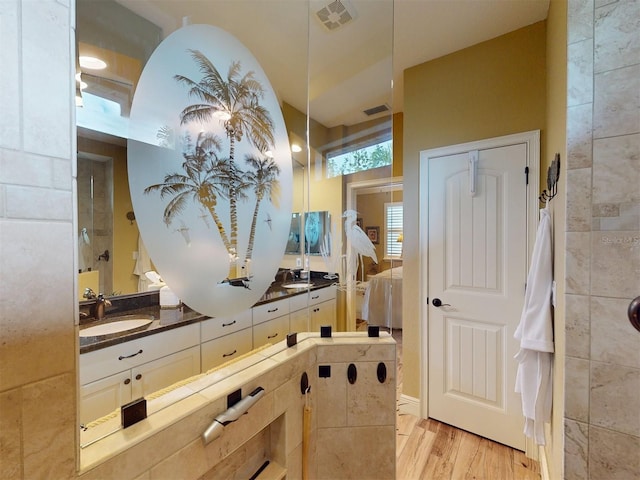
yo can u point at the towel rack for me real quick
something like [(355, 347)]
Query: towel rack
[(553, 174)]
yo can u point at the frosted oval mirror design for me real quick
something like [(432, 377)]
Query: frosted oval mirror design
[(210, 170)]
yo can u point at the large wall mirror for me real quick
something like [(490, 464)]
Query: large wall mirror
[(330, 65)]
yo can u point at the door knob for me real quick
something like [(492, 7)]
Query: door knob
[(634, 313), (436, 302)]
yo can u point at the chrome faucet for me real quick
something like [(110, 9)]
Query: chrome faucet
[(98, 308), (290, 272)]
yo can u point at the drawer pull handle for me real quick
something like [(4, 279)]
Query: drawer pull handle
[(228, 324), (229, 354), (138, 376), (272, 336), (271, 311), (122, 357), (127, 381), (316, 297)]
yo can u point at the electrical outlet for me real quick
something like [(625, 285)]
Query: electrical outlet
[(298, 262)]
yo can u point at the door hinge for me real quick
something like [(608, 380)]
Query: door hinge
[(526, 175)]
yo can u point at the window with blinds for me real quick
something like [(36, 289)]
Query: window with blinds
[(393, 230)]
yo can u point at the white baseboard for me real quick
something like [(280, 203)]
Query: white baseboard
[(409, 405), (544, 466)]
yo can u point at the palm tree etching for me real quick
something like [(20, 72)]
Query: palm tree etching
[(202, 181), (263, 178), (235, 101)]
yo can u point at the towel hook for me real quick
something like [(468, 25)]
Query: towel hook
[(553, 175)]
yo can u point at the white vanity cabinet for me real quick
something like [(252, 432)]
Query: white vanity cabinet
[(113, 376), (270, 322), (321, 310), (225, 338)]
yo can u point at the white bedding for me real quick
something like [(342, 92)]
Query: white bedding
[(382, 303)]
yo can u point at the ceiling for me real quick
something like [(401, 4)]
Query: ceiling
[(351, 66)]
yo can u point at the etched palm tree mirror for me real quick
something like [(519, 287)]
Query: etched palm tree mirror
[(210, 170)]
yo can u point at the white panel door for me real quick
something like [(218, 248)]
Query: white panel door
[(477, 266)]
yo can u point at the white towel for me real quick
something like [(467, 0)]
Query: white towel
[(535, 332), (143, 265), (84, 251)]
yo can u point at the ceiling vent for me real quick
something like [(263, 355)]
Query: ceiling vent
[(336, 14), (375, 110)]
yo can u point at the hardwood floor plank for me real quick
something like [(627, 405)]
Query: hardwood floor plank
[(470, 458), (430, 450), (414, 456)]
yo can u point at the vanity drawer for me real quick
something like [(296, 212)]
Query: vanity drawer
[(298, 302), (221, 350), (110, 360), (268, 311), (272, 331), (220, 326)]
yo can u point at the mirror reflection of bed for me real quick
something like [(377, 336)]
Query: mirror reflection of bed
[(381, 298)]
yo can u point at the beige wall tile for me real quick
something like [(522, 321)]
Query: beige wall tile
[(578, 262), (11, 434), (367, 397), (351, 353), (614, 340), (577, 326), (10, 77), (49, 428), (617, 41), (577, 389), (45, 36), (580, 73), (616, 168), (331, 397), (579, 139), (615, 264), (616, 102), (39, 338), (359, 452), (614, 402), (612, 455), (576, 450), (579, 200), (580, 17)]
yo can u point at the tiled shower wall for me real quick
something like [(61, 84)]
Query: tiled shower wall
[(602, 405), (37, 334)]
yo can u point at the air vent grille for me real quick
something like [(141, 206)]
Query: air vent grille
[(375, 110), (335, 14)]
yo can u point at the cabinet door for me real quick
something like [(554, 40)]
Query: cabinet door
[(272, 331), (165, 371), (223, 349), (299, 321), (103, 396), (323, 314)]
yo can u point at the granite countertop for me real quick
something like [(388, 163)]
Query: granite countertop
[(163, 319)]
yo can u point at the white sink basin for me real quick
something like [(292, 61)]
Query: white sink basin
[(298, 285), (118, 326)]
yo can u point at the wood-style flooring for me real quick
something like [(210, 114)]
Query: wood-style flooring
[(431, 450)]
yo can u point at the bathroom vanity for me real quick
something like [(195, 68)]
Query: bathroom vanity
[(180, 343)]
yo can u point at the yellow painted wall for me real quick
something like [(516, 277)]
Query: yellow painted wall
[(495, 88), (556, 143), (125, 235)]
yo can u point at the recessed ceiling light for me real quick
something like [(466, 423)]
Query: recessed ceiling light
[(92, 63), (295, 148)]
